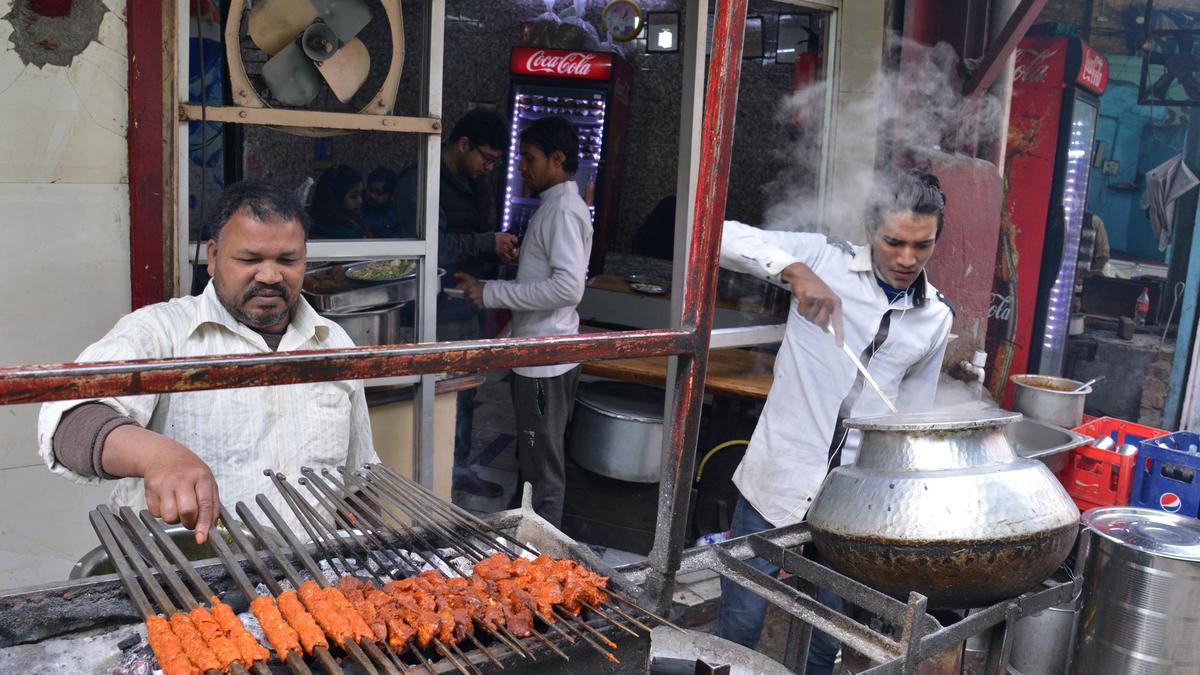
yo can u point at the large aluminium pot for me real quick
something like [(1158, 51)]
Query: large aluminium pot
[(1141, 593), (941, 505), (616, 430)]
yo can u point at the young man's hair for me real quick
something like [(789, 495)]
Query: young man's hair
[(480, 127), (554, 133), (911, 191), (266, 201), (382, 174)]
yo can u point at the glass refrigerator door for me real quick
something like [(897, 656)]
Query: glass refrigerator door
[(1075, 184), (585, 110)]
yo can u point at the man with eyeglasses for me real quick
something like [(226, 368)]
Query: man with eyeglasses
[(467, 242)]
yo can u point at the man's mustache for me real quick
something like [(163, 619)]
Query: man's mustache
[(256, 288)]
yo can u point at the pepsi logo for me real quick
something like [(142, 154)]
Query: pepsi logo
[(1170, 502)]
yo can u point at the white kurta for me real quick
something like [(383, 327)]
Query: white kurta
[(552, 274), (788, 455), (237, 432)]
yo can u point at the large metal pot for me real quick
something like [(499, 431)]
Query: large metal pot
[(1141, 593), (940, 504), (1052, 400), (616, 430), (1042, 641)]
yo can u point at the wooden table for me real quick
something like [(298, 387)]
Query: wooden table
[(736, 372)]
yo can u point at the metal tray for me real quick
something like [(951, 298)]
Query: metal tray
[(1049, 444), (366, 295)]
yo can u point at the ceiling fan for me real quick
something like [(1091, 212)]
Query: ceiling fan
[(310, 47), (1171, 42)]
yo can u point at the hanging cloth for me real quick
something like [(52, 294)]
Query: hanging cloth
[(1166, 183)]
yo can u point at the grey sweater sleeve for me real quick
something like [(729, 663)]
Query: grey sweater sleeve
[(79, 438)]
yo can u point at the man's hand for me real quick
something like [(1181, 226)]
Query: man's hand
[(506, 247), (180, 487), (472, 289), (816, 301)]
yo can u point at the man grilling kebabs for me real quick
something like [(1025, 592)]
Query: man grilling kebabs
[(177, 454), (879, 300)]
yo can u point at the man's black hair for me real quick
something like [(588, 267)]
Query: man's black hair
[(912, 190), (554, 133), (481, 127), (382, 174), (266, 201)]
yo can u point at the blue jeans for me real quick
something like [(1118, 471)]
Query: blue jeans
[(741, 614)]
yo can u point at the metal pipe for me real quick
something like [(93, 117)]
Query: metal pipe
[(70, 381), (698, 296)]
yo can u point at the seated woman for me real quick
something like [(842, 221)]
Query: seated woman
[(336, 205)]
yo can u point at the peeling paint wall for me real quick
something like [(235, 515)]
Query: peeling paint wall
[(64, 250)]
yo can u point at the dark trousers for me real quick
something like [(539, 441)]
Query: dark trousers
[(543, 408), (464, 420), (742, 612)]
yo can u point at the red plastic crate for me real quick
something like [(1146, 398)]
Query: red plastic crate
[(1095, 477)]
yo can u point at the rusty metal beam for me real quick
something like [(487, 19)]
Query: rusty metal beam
[(71, 381), (998, 52), (699, 293)]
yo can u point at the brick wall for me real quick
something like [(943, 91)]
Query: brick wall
[(1154, 388)]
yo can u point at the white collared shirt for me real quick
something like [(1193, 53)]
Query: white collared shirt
[(788, 455), (551, 275), (237, 432)]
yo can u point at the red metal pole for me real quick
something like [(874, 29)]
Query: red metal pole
[(148, 87), (71, 381), (720, 106)]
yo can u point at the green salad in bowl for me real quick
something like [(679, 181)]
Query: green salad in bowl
[(382, 270)]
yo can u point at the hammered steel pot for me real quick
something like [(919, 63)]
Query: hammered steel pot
[(940, 504)]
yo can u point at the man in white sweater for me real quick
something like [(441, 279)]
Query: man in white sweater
[(549, 285)]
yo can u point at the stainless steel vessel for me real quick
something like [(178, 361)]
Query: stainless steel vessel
[(1049, 399), (1141, 593), (374, 326), (1049, 444), (940, 504), (1041, 642), (617, 430)]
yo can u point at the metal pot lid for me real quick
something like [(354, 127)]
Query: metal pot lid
[(1155, 532), (935, 421), (623, 400)]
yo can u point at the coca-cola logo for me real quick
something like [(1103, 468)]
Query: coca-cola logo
[(571, 64), (1032, 65), (1001, 307), (1094, 71)]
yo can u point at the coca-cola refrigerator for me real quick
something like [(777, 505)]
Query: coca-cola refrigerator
[(591, 89), (1052, 127)]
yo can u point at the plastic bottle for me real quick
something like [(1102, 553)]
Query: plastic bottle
[(1141, 308)]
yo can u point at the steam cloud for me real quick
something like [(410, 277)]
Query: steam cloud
[(919, 107)]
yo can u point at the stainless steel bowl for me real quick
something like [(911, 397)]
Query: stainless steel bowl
[(95, 562), (374, 326), (1049, 399)]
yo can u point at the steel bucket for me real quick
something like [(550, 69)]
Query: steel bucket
[(1141, 593), (616, 430), (1049, 399)]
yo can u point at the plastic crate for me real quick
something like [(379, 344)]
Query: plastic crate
[(1095, 477), (1166, 478)]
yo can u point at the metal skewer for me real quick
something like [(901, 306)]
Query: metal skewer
[(251, 554), (468, 521), (865, 373), (298, 504), (293, 659), (293, 575), (201, 588), (359, 509), (122, 547)]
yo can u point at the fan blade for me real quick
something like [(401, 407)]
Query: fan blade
[(291, 76), (274, 24), (347, 69), (345, 17)]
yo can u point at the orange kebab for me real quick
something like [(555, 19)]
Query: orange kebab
[(247, 645), (167, 648)]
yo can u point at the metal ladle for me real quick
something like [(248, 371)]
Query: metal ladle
[(1087, 384), (866, 375)]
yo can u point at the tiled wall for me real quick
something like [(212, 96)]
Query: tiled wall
[(64, 238)]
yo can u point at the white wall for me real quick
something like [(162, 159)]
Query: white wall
[(64, 269)]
